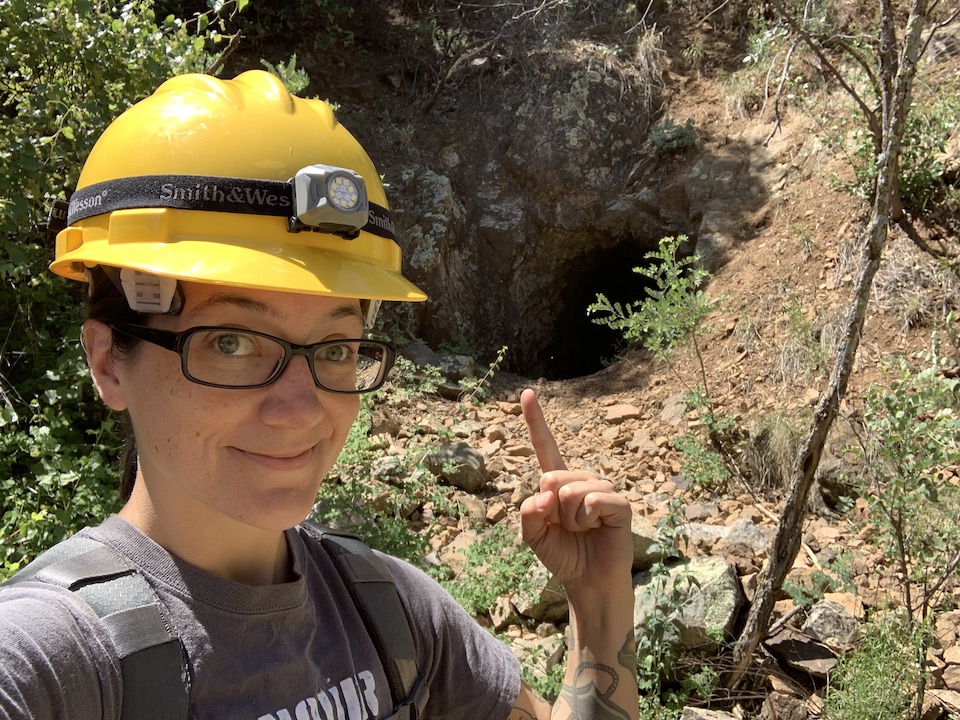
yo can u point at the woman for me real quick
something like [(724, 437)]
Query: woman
[(226, 228)]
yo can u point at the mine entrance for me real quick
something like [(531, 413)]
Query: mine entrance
[(579, 346)]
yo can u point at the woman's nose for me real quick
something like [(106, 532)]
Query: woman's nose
[(293, 398)]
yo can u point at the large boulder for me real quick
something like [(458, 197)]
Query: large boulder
[(708, 597), (459, 465)]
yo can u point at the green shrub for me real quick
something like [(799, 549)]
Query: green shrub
[(836, 575), (373, 494), (928, 127), (548, 684), (478, 389), (662, 696), (670, 315), (911, 434), (294, 79), (879, 680), (497, 564), (70, 66)]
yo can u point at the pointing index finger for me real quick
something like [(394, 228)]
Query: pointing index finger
[(548, 452)]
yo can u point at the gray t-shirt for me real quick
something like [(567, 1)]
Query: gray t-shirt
[(295, 651)]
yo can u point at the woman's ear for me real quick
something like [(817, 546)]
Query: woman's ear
[(97, 341)]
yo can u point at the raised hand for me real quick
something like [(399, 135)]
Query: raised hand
[(577, 525)]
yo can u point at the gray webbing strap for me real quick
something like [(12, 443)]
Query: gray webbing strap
[(152, 663), (375, 595)]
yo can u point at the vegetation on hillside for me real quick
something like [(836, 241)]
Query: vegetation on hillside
[(69, 68), (72, 65)]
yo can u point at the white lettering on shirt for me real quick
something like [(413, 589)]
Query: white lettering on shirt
[(353, 698)]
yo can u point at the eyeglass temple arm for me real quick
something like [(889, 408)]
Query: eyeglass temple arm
[(163, 338)]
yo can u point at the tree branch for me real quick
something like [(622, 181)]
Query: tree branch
[(817, 50), (896, 81)]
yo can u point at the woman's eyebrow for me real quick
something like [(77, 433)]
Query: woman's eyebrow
[(347, 310), (239, 301)]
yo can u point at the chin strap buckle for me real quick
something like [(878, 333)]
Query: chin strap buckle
[(148, 293)]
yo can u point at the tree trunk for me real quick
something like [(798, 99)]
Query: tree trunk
[(897, 82)]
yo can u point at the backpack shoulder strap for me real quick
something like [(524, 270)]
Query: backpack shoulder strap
[(375, 595), (152, 663)]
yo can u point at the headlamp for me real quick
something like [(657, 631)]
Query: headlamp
[(329, 199), (319, 197)]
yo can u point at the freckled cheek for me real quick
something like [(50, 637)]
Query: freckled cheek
[(189, 420)]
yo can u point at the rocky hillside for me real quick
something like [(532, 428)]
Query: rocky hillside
[(534, 157)]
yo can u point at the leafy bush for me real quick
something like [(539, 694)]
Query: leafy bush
[(909, 438), (836, 575), (879, 679), (670, 317), (294, 79), (500, 564), (372, 494), (911, 434), (497, 564), (478, 389), (929, 126), (658, 658), (70, 66)]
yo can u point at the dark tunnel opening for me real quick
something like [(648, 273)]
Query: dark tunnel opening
[(580, 346)]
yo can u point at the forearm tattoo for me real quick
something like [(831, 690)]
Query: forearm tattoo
[(627, 656), (587, 702)]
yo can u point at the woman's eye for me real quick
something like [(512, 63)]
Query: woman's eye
[(233, 344), (335, 353)]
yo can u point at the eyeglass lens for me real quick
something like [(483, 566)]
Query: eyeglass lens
[(236, 359)]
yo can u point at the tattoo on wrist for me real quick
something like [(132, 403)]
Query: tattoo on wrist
[(586, 702), (627, 657)]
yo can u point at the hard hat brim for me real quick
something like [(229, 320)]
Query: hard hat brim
[(298, 269)]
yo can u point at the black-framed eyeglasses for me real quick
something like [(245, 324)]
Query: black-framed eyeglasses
[(226, 357)]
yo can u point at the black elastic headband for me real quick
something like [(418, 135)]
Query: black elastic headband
[(202, 192)]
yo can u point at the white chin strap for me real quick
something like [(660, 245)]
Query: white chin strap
[(148, 293), (371, 308)]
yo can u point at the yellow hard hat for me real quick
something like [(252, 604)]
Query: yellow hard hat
[(234, 182)]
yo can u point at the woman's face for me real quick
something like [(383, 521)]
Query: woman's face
[(254, 455)]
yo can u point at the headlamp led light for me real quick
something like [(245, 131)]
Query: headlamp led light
[(329, 199)]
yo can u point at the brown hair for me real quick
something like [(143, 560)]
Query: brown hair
[(109, 305)]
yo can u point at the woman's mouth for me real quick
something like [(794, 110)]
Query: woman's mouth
[(280, 459)]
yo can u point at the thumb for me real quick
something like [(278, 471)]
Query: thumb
[(535, 514)]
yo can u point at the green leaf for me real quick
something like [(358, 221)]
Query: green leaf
[(8, 415)]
